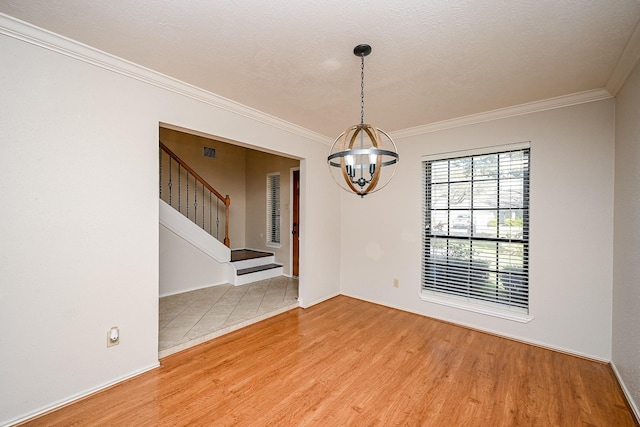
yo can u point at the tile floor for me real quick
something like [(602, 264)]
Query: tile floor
[(194, 317)]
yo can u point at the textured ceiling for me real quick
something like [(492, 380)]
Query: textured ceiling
[(431, 60)]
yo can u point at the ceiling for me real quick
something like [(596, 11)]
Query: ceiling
[(431, 61)]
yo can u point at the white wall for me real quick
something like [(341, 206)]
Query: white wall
[(626, 268), (79, 216), (79, 219), (572, 154), (260, 164), (183, 267)]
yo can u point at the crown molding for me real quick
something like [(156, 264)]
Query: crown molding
[(31, 34), (502, 113), (36, 36), (628, 59)]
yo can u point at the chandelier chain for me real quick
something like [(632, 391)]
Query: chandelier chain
[(362, 90)]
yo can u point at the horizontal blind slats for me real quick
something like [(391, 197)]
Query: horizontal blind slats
[(273, 208), (476, 227)]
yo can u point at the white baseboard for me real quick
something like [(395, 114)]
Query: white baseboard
[(59, 404), (304, 305), (627, 393), (489, 331), (194, 288)]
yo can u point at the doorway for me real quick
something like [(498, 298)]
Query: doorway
[(237, 170)]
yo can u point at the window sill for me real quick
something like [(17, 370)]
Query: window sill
[(487, 309), (274, 245)]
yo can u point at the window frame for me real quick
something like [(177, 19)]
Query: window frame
[(449, 294)]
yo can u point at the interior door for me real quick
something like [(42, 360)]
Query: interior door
[(295, 243)]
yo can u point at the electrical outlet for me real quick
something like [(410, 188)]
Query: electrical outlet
[(113, 337), (396, 283)]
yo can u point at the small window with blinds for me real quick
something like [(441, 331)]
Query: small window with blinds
[(476, 228), (273, 209)]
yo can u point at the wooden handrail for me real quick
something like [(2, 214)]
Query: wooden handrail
[(225, 199), (192, 172)]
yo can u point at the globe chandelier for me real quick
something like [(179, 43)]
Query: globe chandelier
[(363, 158)]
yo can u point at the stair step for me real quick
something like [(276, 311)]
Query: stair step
[(245, 254), (252, 265), (247, 258), (257, 268)]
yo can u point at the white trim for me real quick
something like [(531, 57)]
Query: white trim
[(481, 329), (501, 113), (627, 393), (253, 262), (78, 396), (459, 301), (628, 59), (36, 36), (478, 151), (257, 276), (194, 288), (476, 307), (318, 301)]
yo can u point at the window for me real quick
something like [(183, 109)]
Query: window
[(476, 229), (273, 209)]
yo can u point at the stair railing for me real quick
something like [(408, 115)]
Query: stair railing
[(203, 212)]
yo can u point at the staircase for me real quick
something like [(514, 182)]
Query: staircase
[(197, 213), (252, 266), (208, 211)]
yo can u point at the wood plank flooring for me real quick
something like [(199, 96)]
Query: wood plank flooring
[(346, 362)]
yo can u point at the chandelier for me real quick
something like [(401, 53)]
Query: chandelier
[(360, 156)]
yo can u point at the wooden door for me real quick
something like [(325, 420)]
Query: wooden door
[(295, 244)]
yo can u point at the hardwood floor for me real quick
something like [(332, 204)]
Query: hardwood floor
[(346, 362)]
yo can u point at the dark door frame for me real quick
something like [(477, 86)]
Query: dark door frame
[(295, 221)]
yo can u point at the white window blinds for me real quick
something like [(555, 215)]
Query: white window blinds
[(273, 209), (476, 228)]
